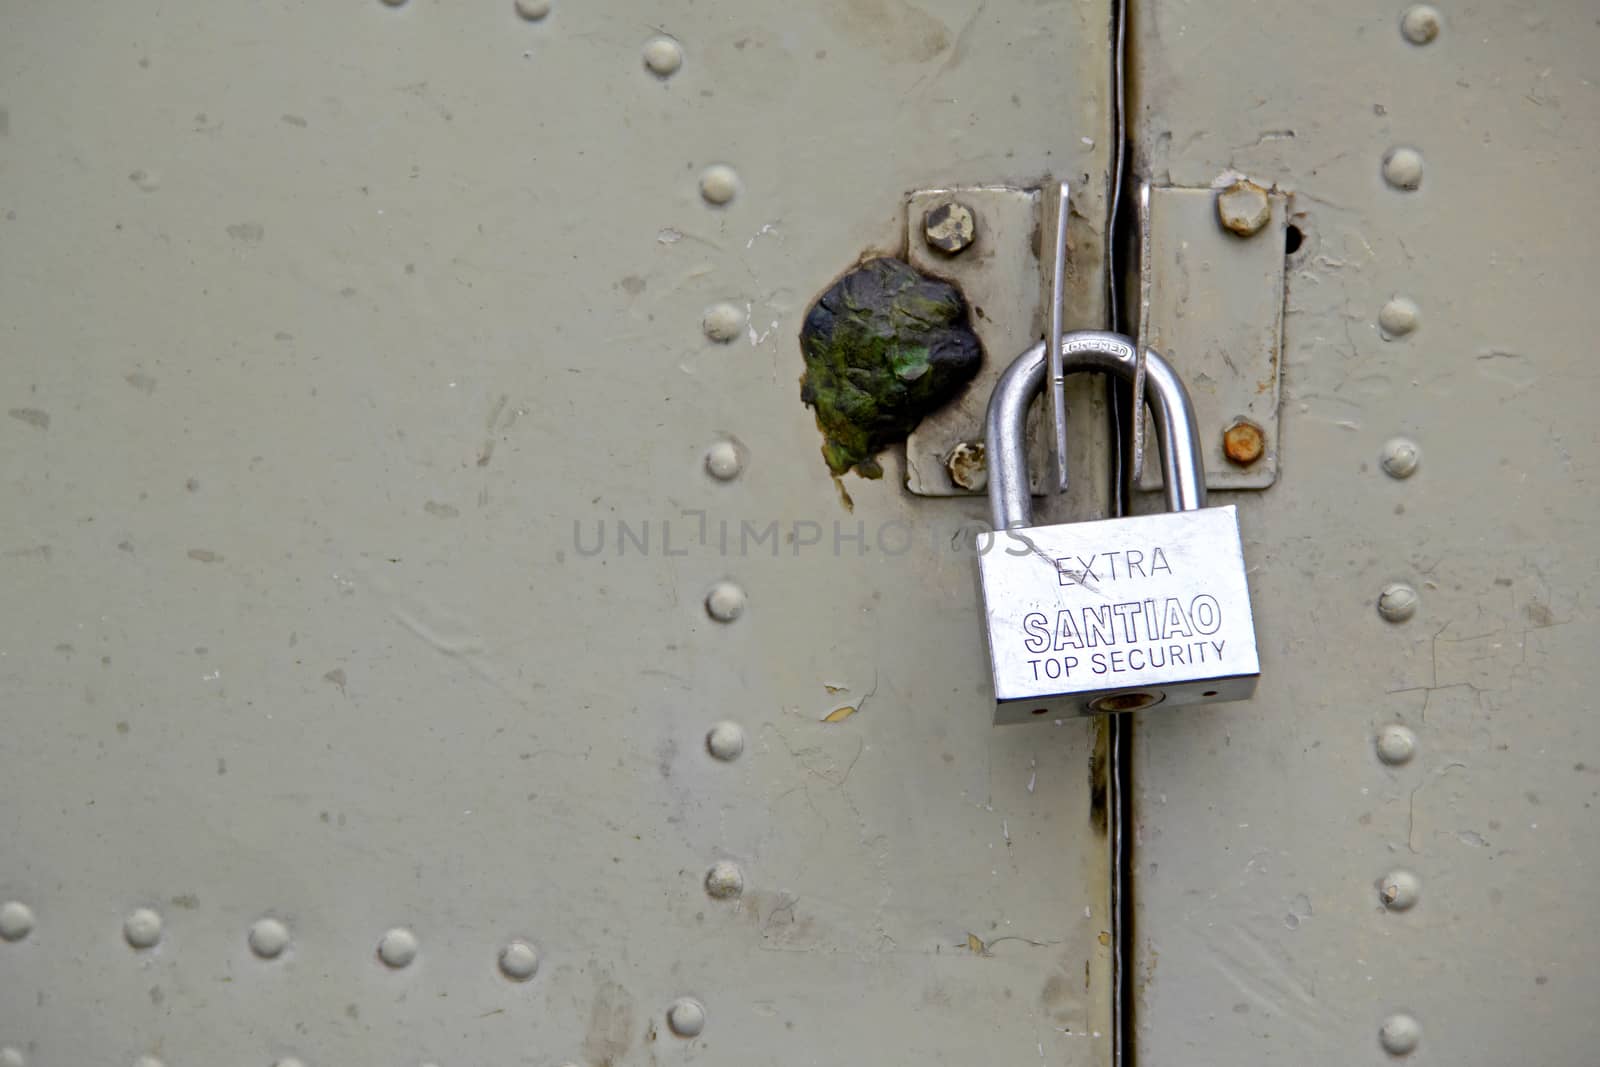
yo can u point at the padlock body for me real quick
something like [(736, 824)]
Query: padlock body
[(1118, 615)]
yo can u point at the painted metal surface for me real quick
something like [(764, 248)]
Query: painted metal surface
[(1391, 851), (354, 354)]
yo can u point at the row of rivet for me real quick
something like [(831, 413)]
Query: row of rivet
[(1398, 890), (269, 937)]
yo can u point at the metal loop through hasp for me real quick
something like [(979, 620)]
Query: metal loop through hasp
[(1177, 434)]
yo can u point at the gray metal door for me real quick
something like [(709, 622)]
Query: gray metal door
[(337, 336)]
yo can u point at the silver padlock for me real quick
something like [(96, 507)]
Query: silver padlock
[(1119, 614)]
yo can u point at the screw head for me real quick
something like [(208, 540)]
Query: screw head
[(1243, 442), (950, 227), (1244, 208)]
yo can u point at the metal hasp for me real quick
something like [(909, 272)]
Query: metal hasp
[(1116, 614), (1211, 297), (1005, 273)]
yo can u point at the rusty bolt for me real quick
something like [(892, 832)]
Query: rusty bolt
[(950, 227), (1244, 208), (969, 467), (1243, 442)]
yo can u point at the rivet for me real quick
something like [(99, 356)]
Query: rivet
[(1396, 744), (268, 938), (723, 322), (725, 602), (722, 460), (1402, 168), (719, 183), (1399, 1034), (1243, 442), (1244, 208), (663, 56), (686, 1017), (533, 10), (519, 961), (724, 880), (1398, 890), (949, 227), (1400, 457), (398, 947), (11, 1057), (1398, 317), (16, 920), (142, 928), (1397, 602), (725, 741), (1420, 23)]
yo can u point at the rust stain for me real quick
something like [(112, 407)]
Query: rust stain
[(840, 714), (1100, 779)]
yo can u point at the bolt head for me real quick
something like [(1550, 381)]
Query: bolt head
[(1243, 442), (1244, 208), (950, 227), (968, 465)]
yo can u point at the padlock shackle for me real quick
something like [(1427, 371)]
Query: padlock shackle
[(1177, 433)]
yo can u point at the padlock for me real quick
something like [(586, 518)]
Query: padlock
[(1118, 614)]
